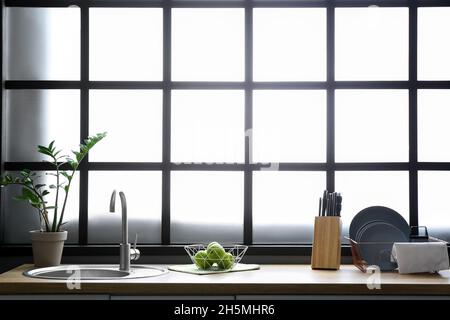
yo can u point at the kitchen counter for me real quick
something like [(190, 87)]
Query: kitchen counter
[(269, 280)]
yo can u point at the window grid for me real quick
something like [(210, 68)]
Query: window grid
[(248, 85)]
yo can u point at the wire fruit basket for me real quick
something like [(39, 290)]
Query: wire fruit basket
[(233, 255)]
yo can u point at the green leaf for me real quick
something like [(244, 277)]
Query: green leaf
[(7, 179), (35, 204), (45, 192), (52, 186), (66, 188), (41, 147), (45, 151), (28, 182), (30, 195), (66, 175), (88, 144), (78, 155), (25, 173), (20, 198), (73, 164), (50, 146), (38, 186)]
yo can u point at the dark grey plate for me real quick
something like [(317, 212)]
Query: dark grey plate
[(375, 243), (379, 213), (361, 230)]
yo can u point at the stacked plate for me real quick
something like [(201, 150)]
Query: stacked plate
[(375, 229)]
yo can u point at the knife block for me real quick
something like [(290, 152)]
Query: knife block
[(326, 251)]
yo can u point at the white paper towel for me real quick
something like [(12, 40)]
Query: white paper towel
[(415, 257)]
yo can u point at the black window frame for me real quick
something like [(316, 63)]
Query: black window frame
[(248, 85)]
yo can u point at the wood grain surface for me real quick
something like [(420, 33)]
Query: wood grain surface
[(270, 279)]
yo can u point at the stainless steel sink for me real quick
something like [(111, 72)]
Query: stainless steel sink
[(94, 272)]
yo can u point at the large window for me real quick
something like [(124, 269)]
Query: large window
[(227, 119)]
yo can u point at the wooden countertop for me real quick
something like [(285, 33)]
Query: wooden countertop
[(270, 279)]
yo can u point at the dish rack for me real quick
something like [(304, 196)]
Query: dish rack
[(361, 264)]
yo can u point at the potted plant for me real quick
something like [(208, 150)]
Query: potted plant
[(48, 241)]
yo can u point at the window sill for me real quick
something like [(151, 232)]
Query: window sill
[(164, 250)]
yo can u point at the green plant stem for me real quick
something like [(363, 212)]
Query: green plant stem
[(47, 223), (43, 216), (44, 208), (42, 212), (55, 210), (61, 216)]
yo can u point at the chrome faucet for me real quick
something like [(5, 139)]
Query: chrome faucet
[(127, 253)]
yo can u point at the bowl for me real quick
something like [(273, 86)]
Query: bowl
[(237, 251)]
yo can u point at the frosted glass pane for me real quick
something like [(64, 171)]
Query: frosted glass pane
[(19, 217), (143, 193), (433, 107), (371, 43), (42, 43), (208, 44), (125, 44), (433, 47), (284, 205), (289, 44), (434, 213), (208, 126), (207, 206), (362, 189), (39, 116), (371, 125), (133, 120), (289, 126)]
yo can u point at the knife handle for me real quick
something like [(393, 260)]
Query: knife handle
[(320, 207), (324, 203)]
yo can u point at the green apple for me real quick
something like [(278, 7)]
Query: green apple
[(215, 252), (212, 244), (226, 262), (201, 260)]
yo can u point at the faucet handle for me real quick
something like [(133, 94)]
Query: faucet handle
[(134, 252)]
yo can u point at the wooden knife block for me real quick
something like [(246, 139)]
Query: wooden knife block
[(326, 251)]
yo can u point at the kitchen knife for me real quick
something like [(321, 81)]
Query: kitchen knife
[(339, 204), (324, 203), (328, 204), (320, 207), (333, 204)]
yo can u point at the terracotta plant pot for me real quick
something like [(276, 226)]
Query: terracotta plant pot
[(47, 247)]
